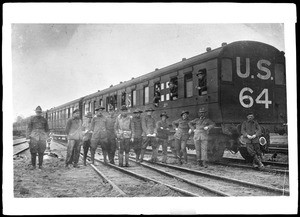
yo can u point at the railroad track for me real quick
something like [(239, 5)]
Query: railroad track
[(20, 146), (234, 162), (220, 183)]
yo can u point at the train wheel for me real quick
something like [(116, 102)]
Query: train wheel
[(245, 154)]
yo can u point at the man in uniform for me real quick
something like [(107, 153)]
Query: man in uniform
[(181, 135), (37, 133), (137, 131), (111, 136), (87, 135), (99, 136), (202, 125), (251, 131), (74, 132), (149, 134), (123, 132), (162, 129)]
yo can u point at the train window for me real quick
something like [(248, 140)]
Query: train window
[(157, 94), (162, 98), (202, 82), (279, 74), (188, 83), (162, 86), (90, 106), (133, 99), (167, 96), (173, 88), (123, 98), (86, 108), (100, 102), (146, 95), (226, 69)]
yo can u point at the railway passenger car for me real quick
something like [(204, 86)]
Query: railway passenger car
[(229, 81), (58, 116)]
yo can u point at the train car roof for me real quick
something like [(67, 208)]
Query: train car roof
[(64, 105), (159, 72)]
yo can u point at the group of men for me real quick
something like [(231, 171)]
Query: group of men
[(125, 132)]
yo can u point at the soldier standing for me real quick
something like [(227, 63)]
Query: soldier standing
[(123, 132), (37, 133), (74, 132), (251, 131), (111, 136), (99, 136), (181, 136), (87, 135), (203, 125), (162, 129), (149, 134), (137, 131)]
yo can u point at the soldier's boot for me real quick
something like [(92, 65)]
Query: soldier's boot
[(200, 163), (41, 156), (84, 159), (204, 164), (164, 159), (154, 155), (137, 156), (255, 161), (105, 157), (142, 155), (120, 160), (260, 164), (185, 157), (93, 157), (33, 161), (126, 159)]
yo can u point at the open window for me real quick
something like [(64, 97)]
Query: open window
[(123, 98), (173, 88), (111, 102), (201, 82), (157, 94)]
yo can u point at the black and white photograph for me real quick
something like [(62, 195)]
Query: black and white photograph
[(149, 108)]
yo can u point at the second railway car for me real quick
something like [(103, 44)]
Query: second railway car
[(229, 81)]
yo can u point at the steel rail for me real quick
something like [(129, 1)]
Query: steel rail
[(244, 183), (17, 142), (219, 193), (184, 192)]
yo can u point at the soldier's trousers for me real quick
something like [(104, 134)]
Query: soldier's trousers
[(254, 149), (124, 147), (94, 144), (37, 147), (73, 151), (180, 146), (111, 149), (164, 145), (146, 142), (86, 146), (201, 149), (137, 147)]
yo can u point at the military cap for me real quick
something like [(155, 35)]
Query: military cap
[(200, 72), (76, 110), (185, 112), (111, 108), (99, 108), (250, 113), (89, 115), (164, 114), (137, 111), (150, 109), (38, 109), (124, 108), (202, 109)]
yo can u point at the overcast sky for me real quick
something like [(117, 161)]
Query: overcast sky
[(56, 63)]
